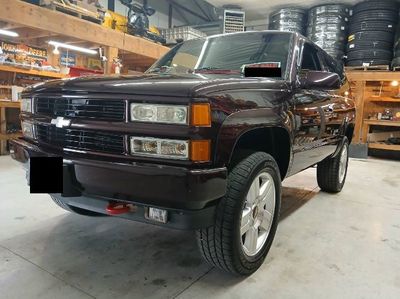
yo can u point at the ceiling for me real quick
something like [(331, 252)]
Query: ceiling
[(260, 9)]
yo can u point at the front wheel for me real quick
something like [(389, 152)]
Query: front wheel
[(332, 172), (246, 218)]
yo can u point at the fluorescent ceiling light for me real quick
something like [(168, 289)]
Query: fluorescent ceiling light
[(8, 33), (71, 47)]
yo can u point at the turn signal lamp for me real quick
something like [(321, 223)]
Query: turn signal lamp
[(201, 115)]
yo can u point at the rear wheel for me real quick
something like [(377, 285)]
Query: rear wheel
[(331, 173), (75, 210), (247, 217)]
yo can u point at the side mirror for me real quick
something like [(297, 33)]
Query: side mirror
[(319, 80)]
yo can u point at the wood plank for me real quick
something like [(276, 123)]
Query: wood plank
[(9, 104), (389, 123), (384, 146), (4, 137), (11, 69), (372, 76), (30, 15), (384, 99)]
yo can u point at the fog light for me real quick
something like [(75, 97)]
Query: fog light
[(157, 215), (162, 148)]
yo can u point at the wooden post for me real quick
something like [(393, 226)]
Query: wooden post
[(53, 59), (359, 101), (3, 130), (110, 54)]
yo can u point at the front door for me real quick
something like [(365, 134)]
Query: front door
[(311, 108)]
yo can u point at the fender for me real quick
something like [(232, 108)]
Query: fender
[(241, 122)]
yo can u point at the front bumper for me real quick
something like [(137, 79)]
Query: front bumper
[(137, 183), (177, 218)]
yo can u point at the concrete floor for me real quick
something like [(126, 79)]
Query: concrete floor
[(327, 246)]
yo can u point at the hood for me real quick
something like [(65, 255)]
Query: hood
[(185, 85)]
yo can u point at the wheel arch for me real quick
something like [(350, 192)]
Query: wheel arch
[(274, 140)]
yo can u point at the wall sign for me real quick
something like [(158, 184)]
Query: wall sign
[(68, 59), (21, 49)]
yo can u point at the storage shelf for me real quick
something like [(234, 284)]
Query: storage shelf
[(384, 146), (384, 99), (389, 123), (10, 136), (11, 69)]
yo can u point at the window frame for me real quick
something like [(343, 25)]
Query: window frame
[(317, 50)]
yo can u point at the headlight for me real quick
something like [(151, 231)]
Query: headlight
[(26, 105), (28, 130), (159, 113), (162, 148)]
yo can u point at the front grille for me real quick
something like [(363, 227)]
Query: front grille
[(81, 139), (110, 110)]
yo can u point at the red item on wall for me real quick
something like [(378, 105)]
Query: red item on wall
[(80, 71)]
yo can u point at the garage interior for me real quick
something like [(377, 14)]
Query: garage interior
[(327, 245)]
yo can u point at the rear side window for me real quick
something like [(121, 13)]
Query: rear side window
[(310, 60)]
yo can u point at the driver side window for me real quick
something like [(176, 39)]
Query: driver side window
[(310, 61)]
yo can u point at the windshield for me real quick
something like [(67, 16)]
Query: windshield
[(226, 54)]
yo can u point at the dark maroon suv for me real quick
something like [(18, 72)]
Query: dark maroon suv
[(201, 141)]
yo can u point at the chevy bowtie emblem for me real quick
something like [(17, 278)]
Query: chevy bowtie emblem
[(60, 122)]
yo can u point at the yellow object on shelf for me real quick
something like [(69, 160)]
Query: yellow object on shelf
[(115, 21), (154, 30)]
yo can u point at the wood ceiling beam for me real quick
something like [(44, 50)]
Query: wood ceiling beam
[(29, 15)]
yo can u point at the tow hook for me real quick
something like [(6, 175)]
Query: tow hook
[(118, 208)]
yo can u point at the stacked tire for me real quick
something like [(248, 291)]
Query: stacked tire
[(288, 19), (371, 33), (396, 52), (327, 27)]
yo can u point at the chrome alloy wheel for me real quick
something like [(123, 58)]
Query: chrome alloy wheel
[(258, 214), (343, 164)]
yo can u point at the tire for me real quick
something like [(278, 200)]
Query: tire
[(371, 62), (384, 15), (375, 5), (386, 26), (329, 9), (331, 175), (371, 36), (221, 245), (370, 54), (75, 210), (368, 45), (396, 62)]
